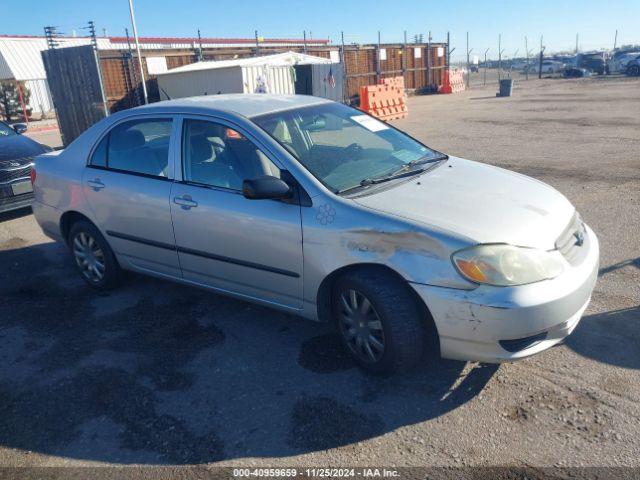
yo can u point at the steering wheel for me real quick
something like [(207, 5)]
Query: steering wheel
[(354, 149)]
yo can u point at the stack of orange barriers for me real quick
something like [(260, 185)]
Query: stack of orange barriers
[(386, 101), (453, 82)]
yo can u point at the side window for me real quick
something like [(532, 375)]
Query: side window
[(139, 146), (99, 157), (215, 155)]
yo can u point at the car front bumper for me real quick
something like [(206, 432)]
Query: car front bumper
[(497, 324), (15, 202)]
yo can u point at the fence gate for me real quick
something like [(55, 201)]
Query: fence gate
[(74, 80)]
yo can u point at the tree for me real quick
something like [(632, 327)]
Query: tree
[(10, 106)]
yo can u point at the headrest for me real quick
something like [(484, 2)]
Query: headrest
[(201, 148), (127, 140)]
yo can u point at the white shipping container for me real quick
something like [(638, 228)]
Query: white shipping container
[(238, 79), (268, 74)]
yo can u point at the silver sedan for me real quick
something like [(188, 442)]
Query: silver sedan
[(320, 210)]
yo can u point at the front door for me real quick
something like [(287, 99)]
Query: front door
[(127, 185), (248, 247)]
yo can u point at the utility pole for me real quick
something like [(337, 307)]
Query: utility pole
[(526, 52), (200, 55), (499, 56), (404, 57), (448, 57), (468, 63), (304, 36), (135, 37), (484, 82), (577, 37), (378, 60), (428, 61), (615, 40), (541, 57), (257, 44), (344, 66)]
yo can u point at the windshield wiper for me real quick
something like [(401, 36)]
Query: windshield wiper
[(406, 170)]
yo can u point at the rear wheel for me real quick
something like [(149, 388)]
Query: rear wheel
[(93, 256), (633, 70), (379, 320)]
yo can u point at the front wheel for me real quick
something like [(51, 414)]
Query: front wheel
[(379, 321), (93, 256), (633, 70)]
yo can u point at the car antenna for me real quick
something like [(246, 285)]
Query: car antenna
[(165, 94)]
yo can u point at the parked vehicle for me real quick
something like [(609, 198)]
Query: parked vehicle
[(617, 63), (548, 67), (16, 158), (633, 67), (320, 210), (575, 72), (594, 62)]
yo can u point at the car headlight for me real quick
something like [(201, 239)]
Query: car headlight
[(506, 265)]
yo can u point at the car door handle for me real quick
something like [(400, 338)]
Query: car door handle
[(96, 184), (186, 202)]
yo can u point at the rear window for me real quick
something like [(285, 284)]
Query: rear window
[(138, 146)]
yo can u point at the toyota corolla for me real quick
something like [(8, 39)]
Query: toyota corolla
[(320, 210)]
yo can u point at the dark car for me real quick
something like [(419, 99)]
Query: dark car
[(594, 62), (16, 158), (575, 72), (633, 67)]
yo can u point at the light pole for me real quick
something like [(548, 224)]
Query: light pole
[(135, 36)]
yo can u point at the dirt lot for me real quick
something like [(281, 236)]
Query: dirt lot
[(158, 374)]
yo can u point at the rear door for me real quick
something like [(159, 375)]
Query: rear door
[(247, 247), (127, 184)]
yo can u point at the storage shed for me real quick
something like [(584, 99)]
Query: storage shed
[(265, 74)]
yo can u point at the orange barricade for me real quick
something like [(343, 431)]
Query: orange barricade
[(453, 82), (386, 101)]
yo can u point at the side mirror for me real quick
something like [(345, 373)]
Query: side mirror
[(20, 128), (266, 188)]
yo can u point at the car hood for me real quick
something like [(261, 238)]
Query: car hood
[(16, 147), (483, 203)]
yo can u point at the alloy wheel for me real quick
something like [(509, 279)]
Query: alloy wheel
[(89, 257), (361, 326)]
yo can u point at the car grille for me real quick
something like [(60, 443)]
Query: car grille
[(571, 241), (10, 174)]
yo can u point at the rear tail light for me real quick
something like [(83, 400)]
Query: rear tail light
[(32, 175)]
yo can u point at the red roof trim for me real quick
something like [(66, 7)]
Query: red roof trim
[(170, 40)]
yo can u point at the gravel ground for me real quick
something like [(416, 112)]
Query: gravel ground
[(159, 374)]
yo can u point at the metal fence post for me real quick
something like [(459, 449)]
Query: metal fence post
[(484, 82), (404, 59), (378, 68), (344, 68)]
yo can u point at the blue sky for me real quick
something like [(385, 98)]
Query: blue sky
[(558, 21)]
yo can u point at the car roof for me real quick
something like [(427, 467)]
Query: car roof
[(248, 105)]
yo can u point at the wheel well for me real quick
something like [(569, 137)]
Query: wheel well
[(68, 219), (326, 288)]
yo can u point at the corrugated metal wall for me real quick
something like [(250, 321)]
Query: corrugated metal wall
[(40, 97), (203, 82), (276, 80)]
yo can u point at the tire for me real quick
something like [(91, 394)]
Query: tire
[(633, 70), (99, 267), (401, 327)]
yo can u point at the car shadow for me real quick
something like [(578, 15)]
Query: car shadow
[(157, 373), (611, 337), (13, 214)]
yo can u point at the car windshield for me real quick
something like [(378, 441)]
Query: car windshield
[(6, 130), (343, 147)]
